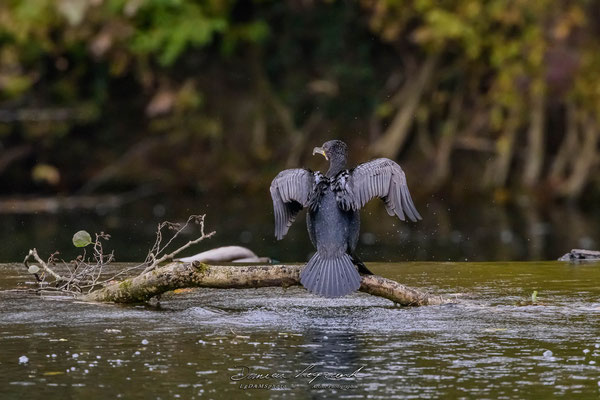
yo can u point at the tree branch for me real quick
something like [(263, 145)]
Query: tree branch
[(177, 275)]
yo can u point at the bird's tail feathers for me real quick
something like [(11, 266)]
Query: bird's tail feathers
[(330, 276)]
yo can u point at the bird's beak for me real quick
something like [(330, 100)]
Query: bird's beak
[(319, 150)]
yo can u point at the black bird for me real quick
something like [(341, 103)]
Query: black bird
[(333, 219)]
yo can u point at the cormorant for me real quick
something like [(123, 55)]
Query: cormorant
[(333, 219)]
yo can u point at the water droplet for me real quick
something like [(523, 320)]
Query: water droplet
[(548, 354), (145, 341), (23, 360)]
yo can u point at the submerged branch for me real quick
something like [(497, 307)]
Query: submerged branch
[(177, 275)]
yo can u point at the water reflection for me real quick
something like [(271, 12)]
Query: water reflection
[(481, 232)]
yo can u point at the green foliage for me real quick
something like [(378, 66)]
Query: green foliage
[(82, 239), (245, 77), (167, 28)]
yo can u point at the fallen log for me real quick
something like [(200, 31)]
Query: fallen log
[(178, 275)]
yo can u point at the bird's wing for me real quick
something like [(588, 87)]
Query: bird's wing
[(290, 190), (385, 179)]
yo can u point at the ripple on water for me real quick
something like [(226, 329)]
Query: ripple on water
[(485, 346)]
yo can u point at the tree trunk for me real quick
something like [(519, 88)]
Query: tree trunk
[(584, 162), (446, 142), (499, 168), (394, 137), (177, 275), (534, 157), (568, 150)]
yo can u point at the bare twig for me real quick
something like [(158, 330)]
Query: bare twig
[(84, 274), (153, 259), (34, 254)]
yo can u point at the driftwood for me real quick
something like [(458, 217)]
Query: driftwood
[(581, 255), (177, 275), (236, 254)]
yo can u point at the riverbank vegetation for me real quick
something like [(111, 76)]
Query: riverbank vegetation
[(495, 98)]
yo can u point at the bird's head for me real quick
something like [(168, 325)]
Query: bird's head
[(333, 149)]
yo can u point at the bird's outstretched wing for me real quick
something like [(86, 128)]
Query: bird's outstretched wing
[(290, 190), (385, 179)]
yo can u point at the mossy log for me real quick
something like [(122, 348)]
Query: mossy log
[(177, 275)]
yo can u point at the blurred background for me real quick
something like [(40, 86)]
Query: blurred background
[(118, 114)]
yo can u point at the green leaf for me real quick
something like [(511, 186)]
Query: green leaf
[(82, 239), (33, 269)]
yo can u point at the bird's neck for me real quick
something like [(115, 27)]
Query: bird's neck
[(336, 165)]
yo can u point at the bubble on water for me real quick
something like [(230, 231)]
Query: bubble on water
[(75, 355), (72, 368), (145, 341), (548, 354), (137, 353), (23, 360), (585, 351), (53, 355), (592, 362), (597, 346)]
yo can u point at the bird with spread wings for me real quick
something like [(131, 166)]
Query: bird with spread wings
[(333, 200)]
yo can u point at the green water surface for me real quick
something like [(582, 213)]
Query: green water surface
[(494, 342)]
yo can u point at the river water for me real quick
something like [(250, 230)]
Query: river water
[(478, 231), (494, 342)]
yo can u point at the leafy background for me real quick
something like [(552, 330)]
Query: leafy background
[(482, 102)]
